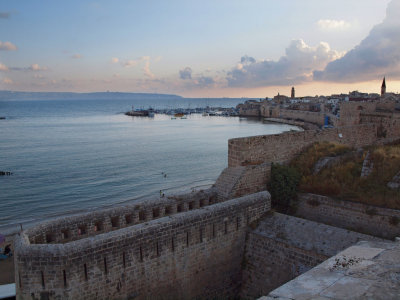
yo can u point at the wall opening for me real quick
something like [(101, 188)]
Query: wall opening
[(105, 266), (115, 222), (123, 259), (201, 235), (202, 203), (49, 238), (187, 238), (168, 210), (81, 230), (85, 271), (179, 208), (211, 200), (142, 215), (156, 212), (173, 244), (191, 205), (157, 249), (19, 280), (65, 234), (237, 223), (213, 230), (98, 226), (129, 219), (141, 253), (225, 227), (65, 278), (43, 285)]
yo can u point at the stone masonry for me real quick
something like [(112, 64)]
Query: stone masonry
[(283, 247), (179, 250)]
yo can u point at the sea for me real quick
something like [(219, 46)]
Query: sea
[(72, 156)]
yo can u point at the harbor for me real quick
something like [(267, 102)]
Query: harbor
[(183, 112)]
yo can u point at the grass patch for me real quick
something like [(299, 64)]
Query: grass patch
[(343, 180)]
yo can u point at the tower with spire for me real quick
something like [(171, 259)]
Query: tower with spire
[(383, 87)]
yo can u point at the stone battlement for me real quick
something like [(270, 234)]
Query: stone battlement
[(66, 229), (189, 254)]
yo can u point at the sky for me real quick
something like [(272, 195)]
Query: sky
[(208, 48)]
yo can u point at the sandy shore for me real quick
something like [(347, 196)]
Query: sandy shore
[(7, 267)]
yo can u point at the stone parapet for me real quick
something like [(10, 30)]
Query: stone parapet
[(377, 221), (195, 253)]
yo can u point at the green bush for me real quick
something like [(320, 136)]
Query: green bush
[(283, 184)]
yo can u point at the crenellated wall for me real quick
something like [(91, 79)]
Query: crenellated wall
[(188, 254), (66, 229)]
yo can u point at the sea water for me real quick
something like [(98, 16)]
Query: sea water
[(77, 155)]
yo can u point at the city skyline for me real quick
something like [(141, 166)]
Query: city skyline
[(200, 49)]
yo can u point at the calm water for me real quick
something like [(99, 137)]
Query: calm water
[(70, 156)]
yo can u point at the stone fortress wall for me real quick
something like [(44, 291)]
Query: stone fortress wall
[(188, 254), (282, 247), (63, 230), (377, 221), (283, 147), (201, 245), (269, 111)]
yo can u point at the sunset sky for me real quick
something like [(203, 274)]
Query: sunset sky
[(202, 48)]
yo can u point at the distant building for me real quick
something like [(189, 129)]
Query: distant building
[(383, 87), (293, 93), (280, 98)]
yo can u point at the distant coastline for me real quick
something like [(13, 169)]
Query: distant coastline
[(15, 95)]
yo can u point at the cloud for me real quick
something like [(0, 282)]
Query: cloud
[(327, 24), (115, 60), (4, 15), (76, 56), (204, 81), (195, 81), (7, 46), (7, 81), (3, 67), (377, 55), (33, 67), (296, 66), (146, 67), (36, 67), (130, 63), (185, 73)]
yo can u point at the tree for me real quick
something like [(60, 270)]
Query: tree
[(283, 184)]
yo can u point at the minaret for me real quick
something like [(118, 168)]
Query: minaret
[(292, 96), (383, 87)]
